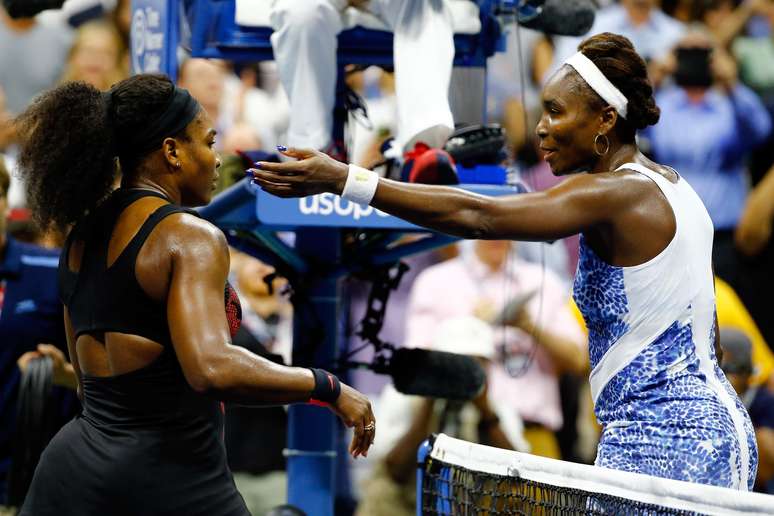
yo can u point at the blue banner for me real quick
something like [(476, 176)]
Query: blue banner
[(330, 210), (154, 35)]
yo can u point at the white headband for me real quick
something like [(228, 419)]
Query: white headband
[(598, 82)]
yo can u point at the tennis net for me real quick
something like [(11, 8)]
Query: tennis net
[(461, 478)]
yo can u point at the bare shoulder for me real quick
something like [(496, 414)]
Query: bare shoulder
[(189, 235), (610, 186)]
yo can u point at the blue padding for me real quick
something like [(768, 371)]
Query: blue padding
[(214, 34)]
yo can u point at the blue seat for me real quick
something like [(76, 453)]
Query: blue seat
[(214, 34)]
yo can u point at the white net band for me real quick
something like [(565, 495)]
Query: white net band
[(672, 494)]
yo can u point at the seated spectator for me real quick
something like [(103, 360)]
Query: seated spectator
[(544, 341), (30, 316), (97, 56), (738, 365), (208, 80), (409, 420)]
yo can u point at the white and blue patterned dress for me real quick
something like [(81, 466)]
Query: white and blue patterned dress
[(664, 404)]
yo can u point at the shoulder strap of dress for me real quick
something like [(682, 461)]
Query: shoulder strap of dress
[(132, 249), (665, 185)]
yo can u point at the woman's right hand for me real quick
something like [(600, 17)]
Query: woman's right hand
[(314, 172), (355, 410)]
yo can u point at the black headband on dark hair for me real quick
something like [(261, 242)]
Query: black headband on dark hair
[(178, 112)]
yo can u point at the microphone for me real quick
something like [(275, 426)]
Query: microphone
[(560, 17), (436, 374)]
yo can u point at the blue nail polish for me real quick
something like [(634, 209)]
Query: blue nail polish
[(249, 172), (257, 165), (281, 148)]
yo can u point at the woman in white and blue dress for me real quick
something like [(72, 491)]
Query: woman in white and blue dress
[(644, 282)]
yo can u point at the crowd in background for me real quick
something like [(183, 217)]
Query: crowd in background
[(712, 64)]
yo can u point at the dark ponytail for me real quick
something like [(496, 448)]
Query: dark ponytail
[(67, 153), (69, 141)]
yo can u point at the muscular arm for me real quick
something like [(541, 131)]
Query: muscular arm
[(200, 335), (578, 203)]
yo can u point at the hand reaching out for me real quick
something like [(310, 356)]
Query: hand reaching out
[(314, 172)]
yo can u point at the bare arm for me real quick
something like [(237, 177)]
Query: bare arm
[(730, 26), (200, 336), (578, 203), (755, 226)]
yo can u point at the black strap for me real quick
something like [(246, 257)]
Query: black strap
[(132, 249)]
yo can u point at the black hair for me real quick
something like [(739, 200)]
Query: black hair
[(616, 58), (69, 139)]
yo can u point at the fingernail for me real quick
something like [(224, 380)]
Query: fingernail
[(257, 164), (249, 172), (281, 148)]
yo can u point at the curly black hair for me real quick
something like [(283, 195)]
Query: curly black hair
[(616, 58), (69, 143)]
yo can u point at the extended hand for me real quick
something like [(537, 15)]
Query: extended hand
[(313, 173), (355, 410)]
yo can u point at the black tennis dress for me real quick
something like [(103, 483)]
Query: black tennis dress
[(145, 443)]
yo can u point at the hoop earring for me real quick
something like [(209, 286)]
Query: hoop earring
[(596, 144)]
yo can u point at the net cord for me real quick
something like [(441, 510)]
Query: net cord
[(673, 494)]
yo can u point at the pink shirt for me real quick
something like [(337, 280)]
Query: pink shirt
[(456, 287)]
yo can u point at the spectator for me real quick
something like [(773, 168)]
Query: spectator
[(30, 315), (737, 364), (652, 32), (211, 82), (255, 108), (32, 58), (544, 342), (726, 120), (97, 56), (391, 489)]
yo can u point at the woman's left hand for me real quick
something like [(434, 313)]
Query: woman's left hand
[(313, 173)]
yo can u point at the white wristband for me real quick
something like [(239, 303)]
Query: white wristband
[(361, 185)]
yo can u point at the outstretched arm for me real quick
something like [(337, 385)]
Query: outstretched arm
[(578, 203)]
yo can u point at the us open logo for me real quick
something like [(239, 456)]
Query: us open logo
[(330, 204)]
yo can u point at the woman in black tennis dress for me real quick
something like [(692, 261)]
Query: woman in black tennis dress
[(142, 280)]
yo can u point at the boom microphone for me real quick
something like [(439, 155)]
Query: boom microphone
[(436, 374), (560, 17)]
